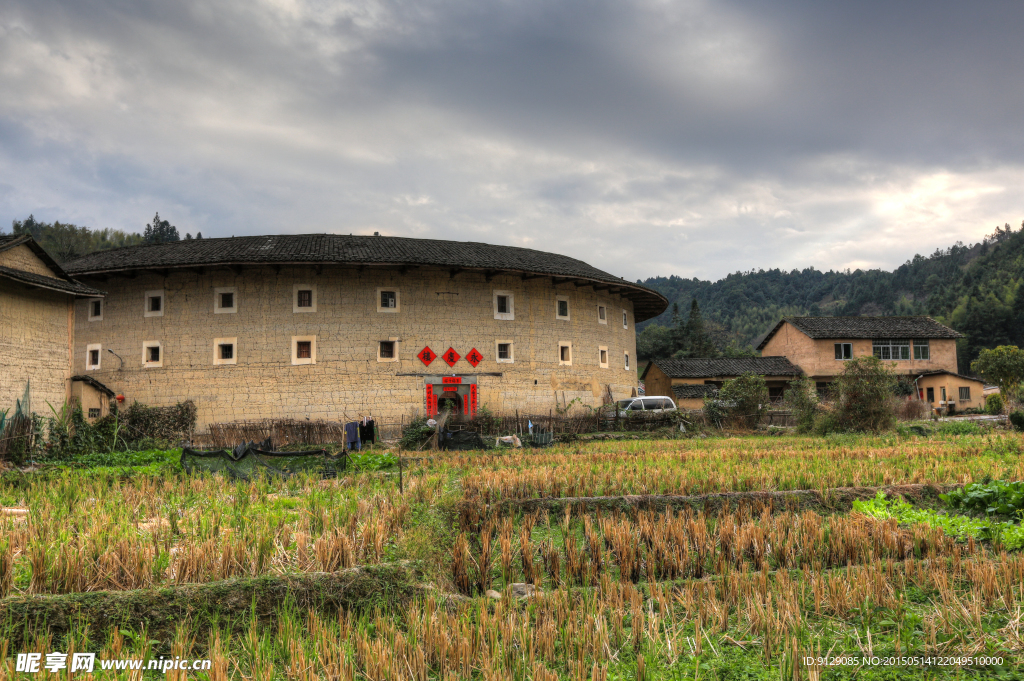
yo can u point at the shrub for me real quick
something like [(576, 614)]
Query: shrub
[(1017, 420), (994, 404), (802, 400), (714, 411), (746, 397), (864, 395)]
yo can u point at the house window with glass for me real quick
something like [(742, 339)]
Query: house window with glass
[(562, 308), (965, 394), (387, 349), (889, 348), (96, 310), (844, 350), (504, 351), (921, 350)]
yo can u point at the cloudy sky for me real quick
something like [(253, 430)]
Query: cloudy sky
[(647, 137)]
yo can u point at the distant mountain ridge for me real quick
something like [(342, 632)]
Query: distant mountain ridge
[(974, 289)]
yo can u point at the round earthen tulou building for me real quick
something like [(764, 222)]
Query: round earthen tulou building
[(336, 327)]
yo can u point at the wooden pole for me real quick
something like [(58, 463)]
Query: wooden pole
[(401, 487)]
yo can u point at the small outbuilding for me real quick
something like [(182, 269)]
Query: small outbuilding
[(949, 391)]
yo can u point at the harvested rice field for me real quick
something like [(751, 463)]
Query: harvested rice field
[(721, 558)]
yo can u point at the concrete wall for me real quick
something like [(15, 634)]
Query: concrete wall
[(817, 357), (347, 379), (35, 328)]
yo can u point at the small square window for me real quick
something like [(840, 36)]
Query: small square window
[(94, 412), (965, 394), (225, 351), (387, 349), (225, 299), (93, 356), (96, 310), (303, 298), (503, 351), (504, 305), (303, 350), (563, 309), (565, 353), (602, 314), (388, 300), (844, 350), (154, 304), (152, 354), (602, 357)]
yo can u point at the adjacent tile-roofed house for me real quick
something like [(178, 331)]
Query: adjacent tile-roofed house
[(713, 368), (821, 346), (37, 299), (824, 328), (45, 273), (695, 377), (357, 250)]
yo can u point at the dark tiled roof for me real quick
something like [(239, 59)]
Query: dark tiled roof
[(934, 372), (89, 380), (866, 327), (39, 281), (361, 250), (710, 368), (689, 391), (6, 238)]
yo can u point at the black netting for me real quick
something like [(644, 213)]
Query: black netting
[(251, 460)]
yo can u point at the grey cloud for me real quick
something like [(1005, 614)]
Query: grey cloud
[(694, 138)]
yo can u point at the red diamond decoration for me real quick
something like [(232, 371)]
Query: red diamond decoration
[(427, 355), (451, 357), (474, 357)]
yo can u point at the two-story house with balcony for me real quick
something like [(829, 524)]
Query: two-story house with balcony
[(920, 347)]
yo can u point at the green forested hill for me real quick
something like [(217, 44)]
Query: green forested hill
[(974, 289)]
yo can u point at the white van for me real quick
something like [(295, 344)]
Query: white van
[(647, 405)]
